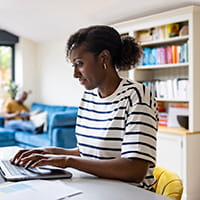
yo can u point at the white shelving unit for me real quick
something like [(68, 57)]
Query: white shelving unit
[(166, 41), (163, 66), (178, 149)]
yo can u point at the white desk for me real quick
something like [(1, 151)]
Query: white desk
[(94, 188)]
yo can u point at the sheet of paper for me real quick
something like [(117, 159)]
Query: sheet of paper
[(37, 189)]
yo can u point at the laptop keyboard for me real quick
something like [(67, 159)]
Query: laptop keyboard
[(17, 170), (16, 173)]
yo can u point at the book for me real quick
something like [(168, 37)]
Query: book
[(162, 55), (163, 119), (169, 54), (154, 55), (146, 52), (174, 54), (182, 86), (144, 35), (172, 30), (158, 33)]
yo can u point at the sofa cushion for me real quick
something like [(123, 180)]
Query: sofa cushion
[(6, 137), (40, 119), (64, 138), (6, 134), (34, 140), (63, 119)]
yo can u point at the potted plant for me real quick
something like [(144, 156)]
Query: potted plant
[(12, 88)]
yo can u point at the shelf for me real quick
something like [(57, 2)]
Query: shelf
[(179, 131), (173, 100), (168, 41), (164, 66)]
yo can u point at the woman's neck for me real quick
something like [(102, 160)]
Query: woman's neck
[(109, 85)]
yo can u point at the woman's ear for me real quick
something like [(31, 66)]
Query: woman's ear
[(105, 56)]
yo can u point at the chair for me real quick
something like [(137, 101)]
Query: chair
[(167, 183)]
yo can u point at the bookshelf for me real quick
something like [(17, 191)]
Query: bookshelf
[(177, 147)]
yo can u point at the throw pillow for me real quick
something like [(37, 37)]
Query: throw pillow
[(40, 119)]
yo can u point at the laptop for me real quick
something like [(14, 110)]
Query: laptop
[(12, 172)]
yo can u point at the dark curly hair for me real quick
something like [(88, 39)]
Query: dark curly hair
[(125, 52)]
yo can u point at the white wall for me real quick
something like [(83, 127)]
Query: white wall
[(25, 66), (42, 68), (55, 82)]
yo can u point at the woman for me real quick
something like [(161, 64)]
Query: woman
[(117, 119)]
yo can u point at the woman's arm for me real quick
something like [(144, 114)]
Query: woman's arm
[(61, 151), (133, 170)]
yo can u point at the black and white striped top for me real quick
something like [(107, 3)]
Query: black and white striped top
[(123, 124)]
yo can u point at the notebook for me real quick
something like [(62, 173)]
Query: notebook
[(12, 172)]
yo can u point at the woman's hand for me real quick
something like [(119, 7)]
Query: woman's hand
[(35, 160), (40, 152), (26, 152)]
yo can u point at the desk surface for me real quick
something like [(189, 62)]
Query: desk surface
[(94, 188)]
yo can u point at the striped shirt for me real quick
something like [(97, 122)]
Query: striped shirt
[(123, 124)]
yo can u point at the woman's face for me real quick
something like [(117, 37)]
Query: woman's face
[(87, 68)]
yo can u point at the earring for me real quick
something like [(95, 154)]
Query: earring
[(105, 66)]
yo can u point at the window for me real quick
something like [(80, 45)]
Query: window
[(6, 66), (7, 56)]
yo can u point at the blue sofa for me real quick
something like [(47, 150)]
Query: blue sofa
[(60, 132)]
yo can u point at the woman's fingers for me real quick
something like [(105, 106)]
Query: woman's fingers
[(34, 158), (17, 155), (43, 161), (23, 154), (28, 164), (38, 160), (29, 160)]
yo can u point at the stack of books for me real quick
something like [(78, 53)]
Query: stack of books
[(160, 32), (171, 54), (176, 89)]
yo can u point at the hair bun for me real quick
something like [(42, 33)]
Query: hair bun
[(130, 54)]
